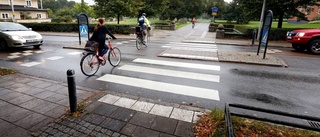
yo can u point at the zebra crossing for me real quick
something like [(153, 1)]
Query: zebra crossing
[(205, 93), (191, 51)]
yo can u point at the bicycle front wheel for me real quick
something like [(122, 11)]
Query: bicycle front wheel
[(114, 56), (138, 42), (89, 64)]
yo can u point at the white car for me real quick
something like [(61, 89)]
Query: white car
[(17, 35)]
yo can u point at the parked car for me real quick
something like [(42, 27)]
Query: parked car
[(17, 35), (305, 39)]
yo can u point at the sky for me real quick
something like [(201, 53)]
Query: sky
[(91, 2)]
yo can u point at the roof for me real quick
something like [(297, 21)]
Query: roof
[(20, 8)]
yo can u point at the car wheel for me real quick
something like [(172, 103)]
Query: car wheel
[(314, 47), (36, 46), (3, 44), (298, 47)]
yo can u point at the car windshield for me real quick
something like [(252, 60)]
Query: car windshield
[(9, 26)]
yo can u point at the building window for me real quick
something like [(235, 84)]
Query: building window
[(5, 15), (28, 3), (39, 16)]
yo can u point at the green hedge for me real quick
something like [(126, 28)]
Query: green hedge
[(73, 27)]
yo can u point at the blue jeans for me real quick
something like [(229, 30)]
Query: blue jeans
[(104, 50)]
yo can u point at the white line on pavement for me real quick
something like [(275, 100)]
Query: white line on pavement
[(203, 34), (30, 64), (74, 53), (172, 73), (164, 87), (55, 58), (178, 64)]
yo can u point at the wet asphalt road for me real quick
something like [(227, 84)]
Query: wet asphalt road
[(294, 89)]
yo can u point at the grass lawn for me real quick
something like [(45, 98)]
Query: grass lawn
[(213, 125), (255, 24)]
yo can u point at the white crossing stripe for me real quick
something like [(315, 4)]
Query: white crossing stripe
[(190, 45), (55, 58), (74, 53), (178, 64), (164, 87), (27, 53), (13, 57), (172, 73), (30, 64), (16, 53), (190, 48)]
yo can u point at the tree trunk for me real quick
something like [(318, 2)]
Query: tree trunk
[(280, 20), (118, 18)]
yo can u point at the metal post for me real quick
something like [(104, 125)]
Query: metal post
[(253, 36), (261, 17), (12, 8), (72, 91)]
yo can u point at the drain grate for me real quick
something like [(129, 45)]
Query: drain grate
[(314, 124)]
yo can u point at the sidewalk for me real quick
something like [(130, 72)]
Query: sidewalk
[(31, 106)]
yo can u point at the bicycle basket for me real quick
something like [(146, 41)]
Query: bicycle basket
[(91, 46)]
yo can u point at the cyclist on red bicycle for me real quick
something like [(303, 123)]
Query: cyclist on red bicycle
[(144, 23), (99, 35)]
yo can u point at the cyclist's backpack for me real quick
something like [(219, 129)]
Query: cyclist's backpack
[(141, 20)]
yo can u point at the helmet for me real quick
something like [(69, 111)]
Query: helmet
[(143, 14)]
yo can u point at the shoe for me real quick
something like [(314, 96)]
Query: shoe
[(101, 58)]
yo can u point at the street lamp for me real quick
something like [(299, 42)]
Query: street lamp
[(13, 19)]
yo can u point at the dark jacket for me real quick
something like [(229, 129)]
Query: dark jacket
[(100, 35)]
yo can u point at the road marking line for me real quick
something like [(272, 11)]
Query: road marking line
[(27, 53), (39, 51), (178, 64), (184, 43), (13, 57), (171, 73), (16, 53), (74, 53), (164, 87), (55, 58), (203, 34), (30, 64)]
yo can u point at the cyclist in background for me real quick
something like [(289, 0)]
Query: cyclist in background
[(144, 25), (193, 22), (99, 35)]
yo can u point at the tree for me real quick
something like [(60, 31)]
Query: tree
[(64, 15), (220, 4), (281, 8), (55, 5), (154, 7), (118, 8), (174, 10), (84, 8), (194, 8)]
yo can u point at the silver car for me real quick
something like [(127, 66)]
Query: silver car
[(17, 35)]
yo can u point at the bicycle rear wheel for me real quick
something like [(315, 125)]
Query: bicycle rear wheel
[(89, 64), (114, 56), (138, 42)]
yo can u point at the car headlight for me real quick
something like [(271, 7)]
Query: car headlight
[(15, 37), (39, 36), (300, 34)]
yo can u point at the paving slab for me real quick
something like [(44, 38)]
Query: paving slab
[(164, 124), (123, 114), (143, 119), (161, 110), (105, 109), (94, 118), (128, 129), (181, 114), (144, 132), (184, 129), (113, 124)]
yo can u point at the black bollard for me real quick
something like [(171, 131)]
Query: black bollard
[(72, 91), (253, 37)]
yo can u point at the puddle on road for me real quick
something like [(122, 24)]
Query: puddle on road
[(265, 98)]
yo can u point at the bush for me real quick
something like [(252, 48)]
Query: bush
[(73, 27)]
